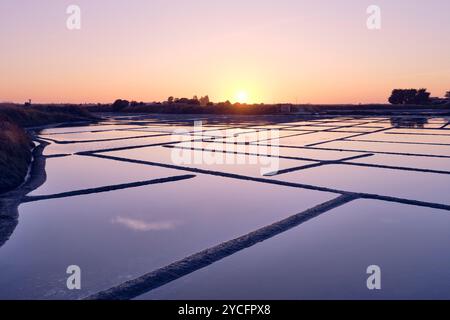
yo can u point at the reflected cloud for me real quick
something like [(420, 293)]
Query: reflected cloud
[(143, 226)]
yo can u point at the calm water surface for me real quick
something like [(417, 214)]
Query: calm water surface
[(120, 235)]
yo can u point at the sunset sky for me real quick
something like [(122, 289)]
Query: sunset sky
[(260, 50)]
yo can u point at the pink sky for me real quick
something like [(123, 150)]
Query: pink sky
[(275, 51)]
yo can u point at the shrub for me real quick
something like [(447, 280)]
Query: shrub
[(119, 105), (15, 155), (409, 96)]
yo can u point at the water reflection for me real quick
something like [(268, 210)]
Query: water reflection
[(143, 226), (7, 227), (134, 231), (10, 201), (327, 258), (411, 123)]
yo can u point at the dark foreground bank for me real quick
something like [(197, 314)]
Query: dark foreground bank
[(15, 141)]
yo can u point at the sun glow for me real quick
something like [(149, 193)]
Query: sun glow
[(241, 97)]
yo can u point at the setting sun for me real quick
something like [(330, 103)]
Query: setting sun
[(241, 97), (246, 131)]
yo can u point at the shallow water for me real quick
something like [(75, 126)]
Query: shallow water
[(428, 163), (427, 150), (119, 235), (256, 166), (79, 172), (327, 258), (422, 186)]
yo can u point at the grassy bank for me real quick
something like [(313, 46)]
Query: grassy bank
[(41, 115), (15, 143), (15, 155)]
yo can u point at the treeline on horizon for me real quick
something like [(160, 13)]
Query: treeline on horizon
[(416, 97), (403, 98), (193, 106)]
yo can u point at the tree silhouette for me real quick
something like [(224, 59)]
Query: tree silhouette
[(409, 96), (396, 97), (193, 101), (134, 104), (447, 94), (404, 122), (204, 101), (119, 105), (422, 97)]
